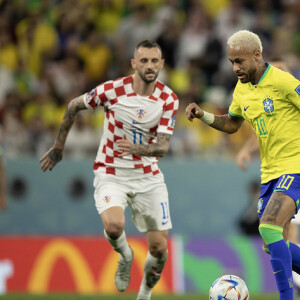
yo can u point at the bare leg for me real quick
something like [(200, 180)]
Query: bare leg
[(114, 221), (279, 211), (155, 262), (293, 235)]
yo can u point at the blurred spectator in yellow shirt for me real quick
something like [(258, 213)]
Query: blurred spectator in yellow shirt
[(8, 51), (96, 56), (37, 40)]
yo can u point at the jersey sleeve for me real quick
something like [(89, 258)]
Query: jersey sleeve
[(234, 108), (167, 121), (290, 86), (98, 96)]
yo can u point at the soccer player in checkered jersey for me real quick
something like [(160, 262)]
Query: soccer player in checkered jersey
[(140, 119), (269, 99)]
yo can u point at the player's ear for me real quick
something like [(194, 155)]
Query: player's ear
[(133, 63), (257, 55), (162, 62)]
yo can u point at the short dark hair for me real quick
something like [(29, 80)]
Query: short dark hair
[(147, 44)]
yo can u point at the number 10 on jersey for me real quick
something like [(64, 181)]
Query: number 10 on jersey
[(261, 126)]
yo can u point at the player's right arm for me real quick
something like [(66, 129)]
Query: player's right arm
[(54, 154), (225, 123)]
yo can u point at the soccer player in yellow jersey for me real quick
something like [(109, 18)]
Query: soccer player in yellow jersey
[(269, 99), (244, 156)]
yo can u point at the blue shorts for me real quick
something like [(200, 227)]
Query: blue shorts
[(288, 184)]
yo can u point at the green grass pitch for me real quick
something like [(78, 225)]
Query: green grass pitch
[(119, 297)]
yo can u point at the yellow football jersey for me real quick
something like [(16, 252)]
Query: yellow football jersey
[(272, 107)]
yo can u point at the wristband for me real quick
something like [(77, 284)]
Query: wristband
[(207, 118)]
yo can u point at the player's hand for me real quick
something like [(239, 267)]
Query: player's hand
[(193, 111), (51, 158), (124, 146), (242, 158)]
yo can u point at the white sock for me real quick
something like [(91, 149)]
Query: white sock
[(152, 272), (120, 245), (296, 279)]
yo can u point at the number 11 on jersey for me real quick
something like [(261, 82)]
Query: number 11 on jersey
[(137, 137)]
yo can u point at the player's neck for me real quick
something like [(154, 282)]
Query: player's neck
[(260, 72), (142, 88)]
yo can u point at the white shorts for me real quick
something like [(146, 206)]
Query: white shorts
[(147, 197)]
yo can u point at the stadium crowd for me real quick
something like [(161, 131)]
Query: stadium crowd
[(52, 51)]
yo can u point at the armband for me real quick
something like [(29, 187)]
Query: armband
[(207, 118)]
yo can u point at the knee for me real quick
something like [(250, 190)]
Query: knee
[(158, 249), (114, 229)]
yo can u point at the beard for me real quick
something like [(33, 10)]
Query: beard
[(145, 79), (250, 76)]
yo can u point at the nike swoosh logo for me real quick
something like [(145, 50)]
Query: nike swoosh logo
[(245, 108), (277, 272), (164, 223)]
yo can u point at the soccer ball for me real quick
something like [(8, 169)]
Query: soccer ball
[(229, 287)]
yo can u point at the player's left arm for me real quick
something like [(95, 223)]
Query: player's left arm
[(294, 94), (290, 87), (158, 149)]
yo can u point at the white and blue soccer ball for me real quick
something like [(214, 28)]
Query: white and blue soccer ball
[(229, 287)]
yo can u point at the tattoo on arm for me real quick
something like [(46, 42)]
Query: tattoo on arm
[(219, 123), (72, 109), (55, 155), (160, 148), (226, 123)]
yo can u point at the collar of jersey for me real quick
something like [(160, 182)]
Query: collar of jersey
[(263, 75), (150, 96)]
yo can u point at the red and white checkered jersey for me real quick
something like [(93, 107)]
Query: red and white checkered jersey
[(139, 117)]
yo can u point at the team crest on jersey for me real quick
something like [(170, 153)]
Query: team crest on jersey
[(269, 107), (106, 199), (140, 113)]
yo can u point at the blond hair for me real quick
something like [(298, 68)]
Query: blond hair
[(245, 38)]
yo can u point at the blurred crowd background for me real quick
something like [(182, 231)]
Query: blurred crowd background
[(54, 50)]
